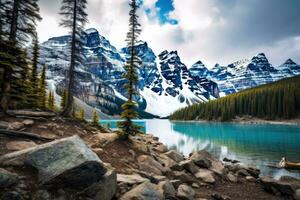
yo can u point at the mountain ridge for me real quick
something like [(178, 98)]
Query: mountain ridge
[(165, 82)]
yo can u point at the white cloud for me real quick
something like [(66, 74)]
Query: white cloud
[(208, 30)]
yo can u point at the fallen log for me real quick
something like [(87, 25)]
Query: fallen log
[(40, 119), (29, 113), (22, 134)]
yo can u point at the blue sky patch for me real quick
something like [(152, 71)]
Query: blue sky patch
[(164, 7)]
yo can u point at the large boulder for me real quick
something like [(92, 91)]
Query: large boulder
[(7, 178), (144, 191), (149, 164), (185, 192), (216, 165), (66, 162), (174, 155)]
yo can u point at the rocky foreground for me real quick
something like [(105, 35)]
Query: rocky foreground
[(77, 161)]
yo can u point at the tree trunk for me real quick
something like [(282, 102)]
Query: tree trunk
[(67, 112)]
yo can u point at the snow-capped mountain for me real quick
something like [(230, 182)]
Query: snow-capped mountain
[(165, 82), (247, 73)]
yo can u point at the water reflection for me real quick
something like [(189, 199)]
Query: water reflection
[(258, 145)]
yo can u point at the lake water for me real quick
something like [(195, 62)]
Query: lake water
[(256, 145)]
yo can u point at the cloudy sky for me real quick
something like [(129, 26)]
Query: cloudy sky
[(213, 31)]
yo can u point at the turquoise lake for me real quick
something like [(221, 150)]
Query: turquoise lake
[(253, 144)]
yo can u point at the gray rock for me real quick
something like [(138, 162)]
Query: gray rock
[(206, 176), (243, 173), (184, 177), (165, 160), (189, 166), (174, 155), (177, 167), (144, 191), (200, 160), (161, 148), (131, 179), (167, 189), (62, 163), (105, 189), (216, 165), (7, 178), (28, 122), (185, 192), (231, 177), (250, 178), (253, 171), (149, 164), (11, 196)]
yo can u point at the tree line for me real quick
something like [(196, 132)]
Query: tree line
[(279, 100)]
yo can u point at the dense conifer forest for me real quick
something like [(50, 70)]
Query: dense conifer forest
[(279, 100)]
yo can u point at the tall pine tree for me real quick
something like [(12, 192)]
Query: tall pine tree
[(75, 18), (34, 79), (42, 89), (21, 16), (133, 62)]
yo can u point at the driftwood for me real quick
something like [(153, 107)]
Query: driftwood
[(29, 113), (22, 134)]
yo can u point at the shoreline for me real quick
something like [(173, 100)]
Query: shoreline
[(248, 121)]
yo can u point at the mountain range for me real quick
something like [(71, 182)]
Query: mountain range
[(165, 83)]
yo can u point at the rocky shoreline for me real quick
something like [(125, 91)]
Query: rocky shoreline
[(84, 163)]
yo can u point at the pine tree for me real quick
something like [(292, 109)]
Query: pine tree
[(133, 62), (95, 117), (34, 80), (82, 115), (64, 99), (21, 17), (51, 101), (42, 89), (75, 18)]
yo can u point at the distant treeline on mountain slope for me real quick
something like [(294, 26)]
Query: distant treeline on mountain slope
[(278, 100)]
